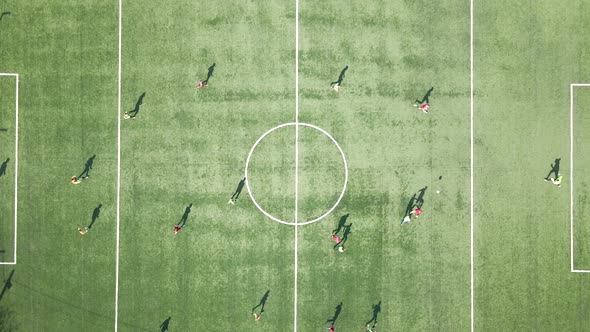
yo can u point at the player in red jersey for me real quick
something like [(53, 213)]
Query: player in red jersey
[(423, 107), (417, 211), (177, 229), (336, 238)]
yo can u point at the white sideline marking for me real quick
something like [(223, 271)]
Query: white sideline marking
[(15, 167), (572, 177), (296, 160), (471, 158), (118, 166)]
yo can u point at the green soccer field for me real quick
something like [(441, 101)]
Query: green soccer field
[(493, 250)]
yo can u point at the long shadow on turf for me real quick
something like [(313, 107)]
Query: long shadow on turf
[(4, 166), (410, 205), (209, 73), (7, 284), (95, 215), (554, 169), (262, 302), (236, 194), (341, 223), (165, 325), (340, 77), (135, 110), (336, 314), (4, 14), (87, 167), (376, 311), (420, 199), (187, 211), (426, 97), (345, 235)]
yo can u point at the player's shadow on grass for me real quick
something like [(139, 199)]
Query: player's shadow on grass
[(341, 224), (95, 215), (187, 211), (554, 169), (337, 311), (376, 311), (135, 109), (7, 284), (340, 77), (3, 167), (165, 325), (420, 199), (209, 73), (236, 194), (87, 167), (4, 14), (262, 302), (426, 97), (410, 206), (344, 238)]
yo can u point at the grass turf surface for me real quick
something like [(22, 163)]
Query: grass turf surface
[(188, 146)]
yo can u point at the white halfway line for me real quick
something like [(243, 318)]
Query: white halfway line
[(118, 166), (471, 160), (296, 260)]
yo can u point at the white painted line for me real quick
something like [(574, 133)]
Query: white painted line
[(572, 177), (118, 166), (15, 165), (572, 269), (471, 159), (246, 174), (296, 161), (16, 169)]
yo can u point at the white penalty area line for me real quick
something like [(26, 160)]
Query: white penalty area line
[(471, 160), (118, 165), (15, 75), (572, 269)]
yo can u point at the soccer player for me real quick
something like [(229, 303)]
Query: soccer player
[(417, 211), (371, 328), (336, 238), (407, 219), (84, 230), (556, 181), (423, 107), (201, 84), (126, 116), (335, 86), (331, 328), (177, 228), (75, 180), (257, 316)]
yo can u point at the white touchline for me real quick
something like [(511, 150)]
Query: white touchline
[(296, 261), (118, 166), (471, 160), (572, 269), (15, 165), (572, 177), (16, 169)]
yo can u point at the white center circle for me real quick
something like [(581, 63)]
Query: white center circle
[(296, 223)]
